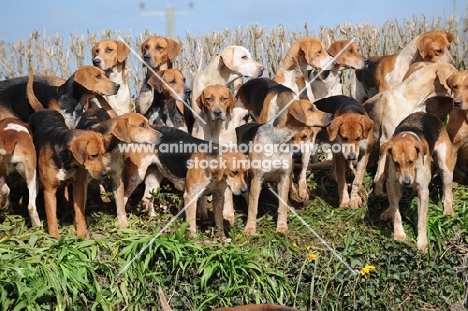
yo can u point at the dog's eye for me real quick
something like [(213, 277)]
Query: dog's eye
[(96, 51), (159, 48), (209, 99), (345, 138), (397, 165), (95, 156), (223, 99), (351, 51), (455, 87), (99, 77), (410, 162), (439, 52), (358, 138), (172, 82), (244, 57), (235, 173), (312, 109), (143, 124), (109, 50)]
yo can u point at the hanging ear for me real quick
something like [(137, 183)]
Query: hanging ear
[(444, 74), (78, 149), (334, 127), (83, 77), (143, 44), (421, 149), (120, 129), (297, 112), (173, 49), (227, 56), (423, 44), (156, 81), (449, 81), (386, 149), (201, 102), (122, 51), (449, 36), (231, 102), (367, 125)]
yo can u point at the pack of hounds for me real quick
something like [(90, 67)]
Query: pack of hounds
[(59, 133)]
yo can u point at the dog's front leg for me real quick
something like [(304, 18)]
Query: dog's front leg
[(228, 210), (50, 203), (423, 201), (255, 188), (283, 190), (340, 173), (393, 212), (218, 203), (79, 201), (119, 193), (356, 199)]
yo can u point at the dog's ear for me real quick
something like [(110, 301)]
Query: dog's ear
[(231, 102), (297, 112), (83, 77), (367, 125), (122, 51), (143, 46), (423, 46), (173, 49), (200, 100), (156, 81), (227, 56), (449, 36), (444, 74), (120, 129), (421, 148), (218, 171), (386, 149), (449, 81), (78, 149), (334, 127)]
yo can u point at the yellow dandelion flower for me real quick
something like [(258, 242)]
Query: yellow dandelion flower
[(308, 247), (294, 244), (366, 271), (311, 256)]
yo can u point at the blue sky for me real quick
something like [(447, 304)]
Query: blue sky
[(19, 18)]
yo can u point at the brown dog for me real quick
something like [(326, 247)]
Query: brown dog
[(417, 139), (349, 133), (60, 151), (159, 53), (384, 72), (170, 93), (457, 126), (110, 56), (17, 153)]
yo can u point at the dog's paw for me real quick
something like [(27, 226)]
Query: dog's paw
[(249, 230), (303, 193), (229, 217), (123, 221), (387, 214), (344, 202), (399, 236), (355, 202), (422, 246), (282, 228)]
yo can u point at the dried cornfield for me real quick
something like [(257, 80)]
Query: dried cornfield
[(61, 56)]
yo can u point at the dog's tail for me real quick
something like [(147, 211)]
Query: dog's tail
[(164, 304), (33, 101)]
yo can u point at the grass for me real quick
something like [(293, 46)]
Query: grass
[(200, 272)]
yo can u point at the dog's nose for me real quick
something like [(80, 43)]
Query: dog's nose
[(147, 57), (330, 116), (117, 86), (96, 62), (457, 103), (104, 173), (217, 113), (351, 157), (187, 91), (406, 183), (243, 189), (366, 62)]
